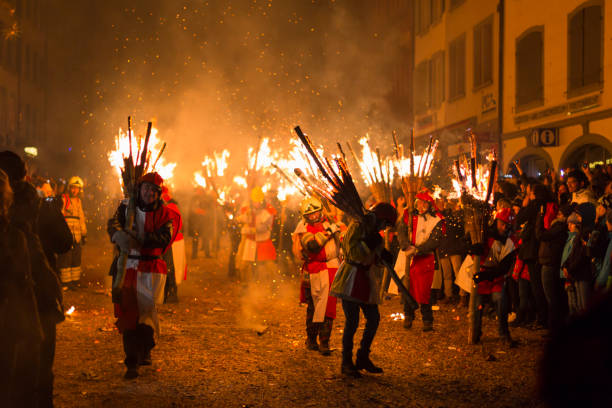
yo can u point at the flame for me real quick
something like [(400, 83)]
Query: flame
[(478, 191), (122, 151), (70, 311), (241, 181), (374, 169), (422, 163), (263, 158), (397, 316), (286, 190), (199, 179)]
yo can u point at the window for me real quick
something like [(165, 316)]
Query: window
[(456, 55), (422, 14), (585, 51), (529, 68), (436, 77), (421, 88), (455, 3), (437, 9), (483, 53)]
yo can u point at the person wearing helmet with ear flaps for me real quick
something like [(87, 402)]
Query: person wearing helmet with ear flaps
[(316, 242), (69, 263)]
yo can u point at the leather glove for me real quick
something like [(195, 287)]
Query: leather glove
[(387, 257), (124, 241), (373, 240)]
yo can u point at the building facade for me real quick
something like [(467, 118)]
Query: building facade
[(23, 67), (557, 110), (456, 73)]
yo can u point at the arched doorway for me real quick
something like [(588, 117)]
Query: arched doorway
[(534, 162), (592, 154), (591, 148)]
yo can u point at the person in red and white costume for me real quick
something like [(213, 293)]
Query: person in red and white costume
[(175, 255), (498, 254), (256, 252), (426, 235), (316, 242), (145, 274)]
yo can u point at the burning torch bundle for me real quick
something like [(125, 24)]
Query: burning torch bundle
[(377, 172), (336, 185), (475, 183), (413, 169), (132, 167)]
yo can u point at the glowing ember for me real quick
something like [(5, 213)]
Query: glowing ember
[(70, 311), (397, 316)]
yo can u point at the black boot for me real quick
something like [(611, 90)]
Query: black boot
[(312, 330), (427, 326), (363, 362), (132, 372), (349, 369), (325, 330), (145, 360)]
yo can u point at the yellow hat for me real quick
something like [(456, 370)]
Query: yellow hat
[(257, 195)]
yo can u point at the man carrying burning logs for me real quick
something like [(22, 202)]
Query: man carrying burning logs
[(142, 229), (316, 241), (419, 235), (498, 255), (145, 271)]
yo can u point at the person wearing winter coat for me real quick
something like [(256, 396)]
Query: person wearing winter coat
[(25, 215), (357, 283), (19, 318), (578, 186), (575, 266), (552, 235), (602, 280), (537, 195)]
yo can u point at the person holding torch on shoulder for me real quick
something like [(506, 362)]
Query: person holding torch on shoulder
[(145, 274), (358, 281), (428, 229), (316, 242)]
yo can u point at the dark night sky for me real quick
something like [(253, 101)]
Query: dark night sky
[(216, 74)]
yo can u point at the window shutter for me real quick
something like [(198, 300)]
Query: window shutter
[(487, 52), (592, 45), (478, 42)]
